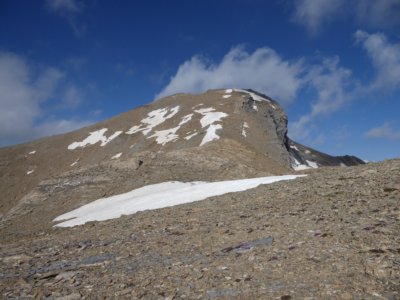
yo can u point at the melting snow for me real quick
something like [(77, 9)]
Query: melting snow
[(312, 164), (253, 95), (116, 156), (209, 118), (158, 196), (169, 135), (226, 96), (74, 163), (228, 91), (297, 166), (211, 134), (32, 152), (245, 125), (154, 118), (190, 136), (294, 147), (186, 119), (95, 137), (29, 172), (165, 136)]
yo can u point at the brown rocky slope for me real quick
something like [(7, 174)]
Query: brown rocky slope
[(331, 235)]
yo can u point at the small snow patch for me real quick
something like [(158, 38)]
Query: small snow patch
[(154, 118), (186, 119), (297, 166), (294, 147), (312, 164), (253, 95), (29, 172), (210, 117), (228, 91), (190, 136), (95, 137), (116, 156), (32, 152), (307, 152), (74, 163), (157, 196), (255, 107), (245, 125), (165, 136), (211, 134), (226, 96)]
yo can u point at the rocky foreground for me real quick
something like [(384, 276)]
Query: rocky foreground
[(334, 234)]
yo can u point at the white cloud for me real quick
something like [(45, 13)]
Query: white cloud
[(378, 14), (333, 86), (315, 14), (385, 131), (263, 70), (385, 58), (69, 10), (64, 6), (72, 97), (22, 91)]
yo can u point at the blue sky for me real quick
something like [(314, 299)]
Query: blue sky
[(334, 65)]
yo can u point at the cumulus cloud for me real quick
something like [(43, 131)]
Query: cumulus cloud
[(315, 14), (263, 70), (22, 91), (385, 57), (385, 131)]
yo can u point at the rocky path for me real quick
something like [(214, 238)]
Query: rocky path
[(334, 234)]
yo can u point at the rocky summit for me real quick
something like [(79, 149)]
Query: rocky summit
[(113, 210)]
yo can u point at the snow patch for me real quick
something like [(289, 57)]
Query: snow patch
[(255, 107), (165, 136), (312, 164), (29, 172), (210, 116), (154, 118), (95, 137), (226, 96), (228, 91), (294, 147), (190, 136), (116, 156), (253, 95), (186, 119), (32, 152), (211, 134), (157, 196), (74, 163), (307, 151), (245, 125), (297, 166)]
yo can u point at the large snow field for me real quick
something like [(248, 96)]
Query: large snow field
[(158, 196)]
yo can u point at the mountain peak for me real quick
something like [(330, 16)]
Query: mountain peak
[(220, 134)]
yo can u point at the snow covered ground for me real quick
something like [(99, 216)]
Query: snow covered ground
[(158, 196)]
